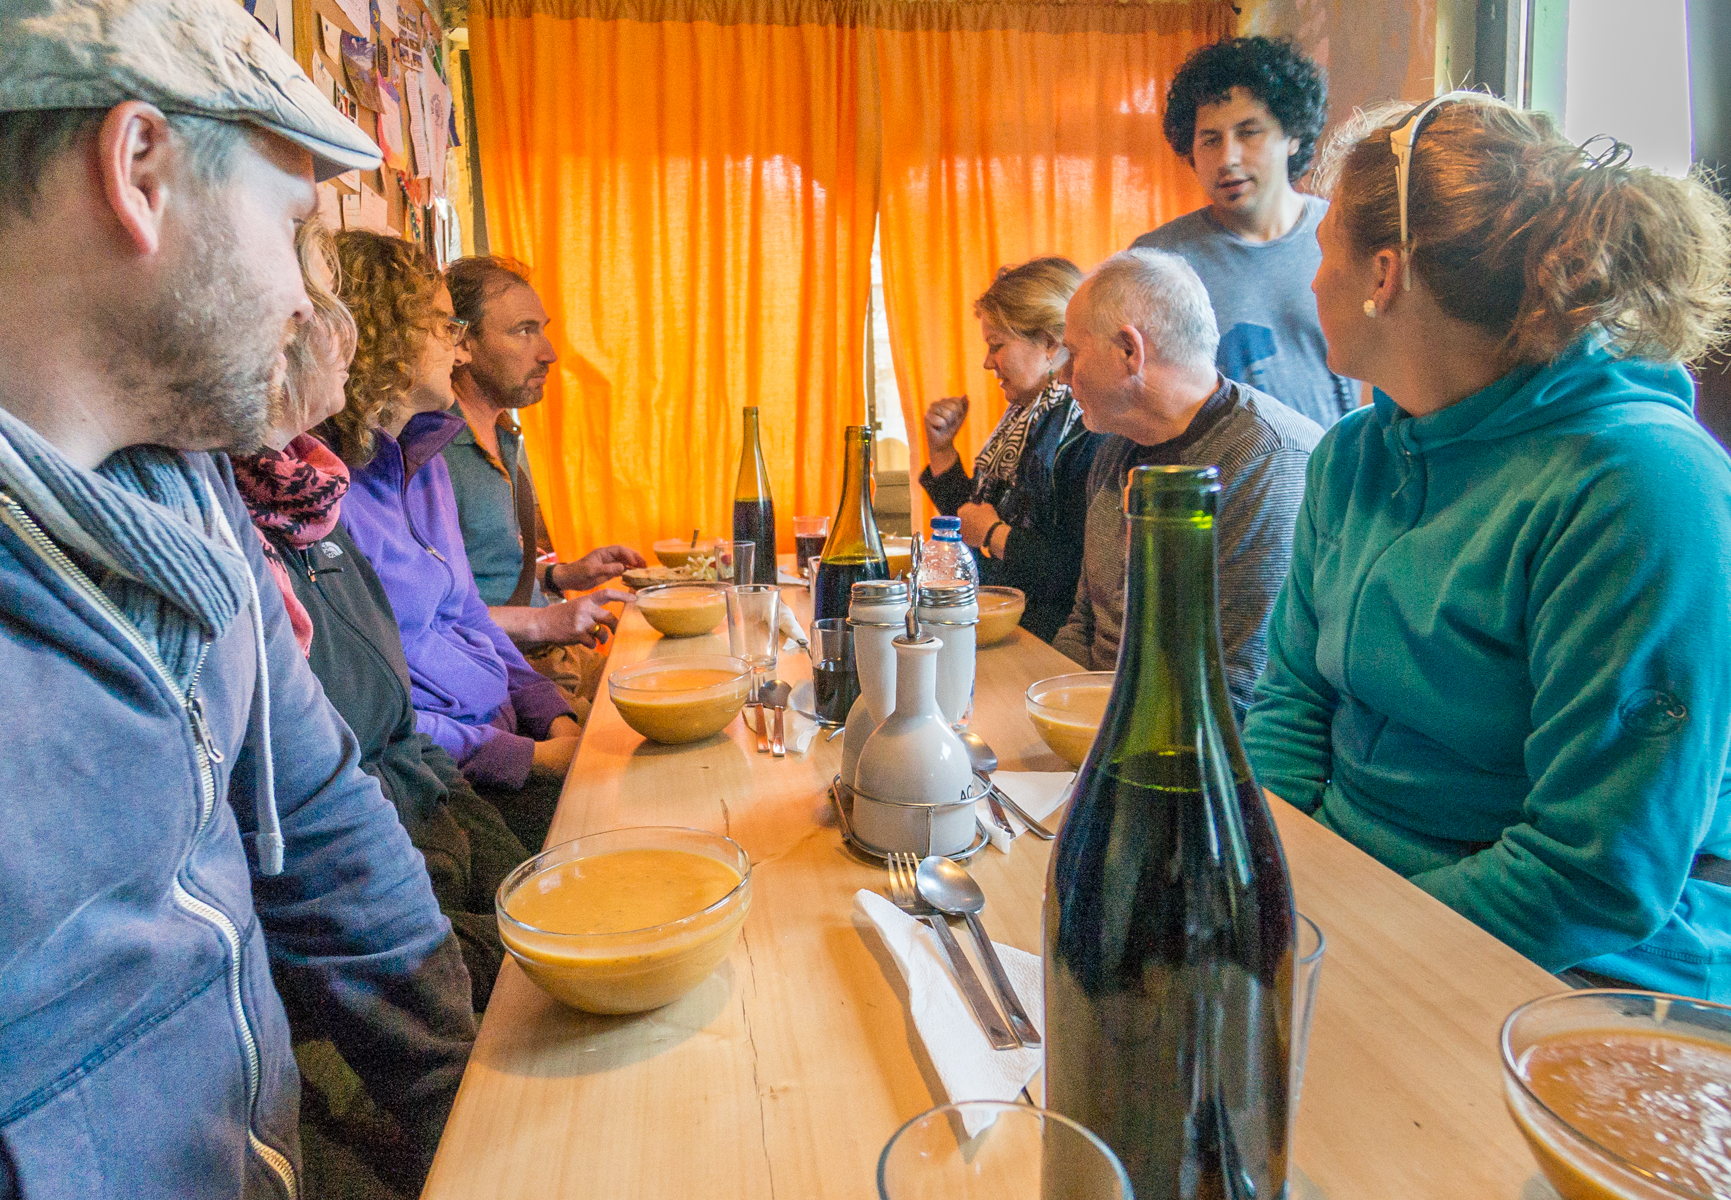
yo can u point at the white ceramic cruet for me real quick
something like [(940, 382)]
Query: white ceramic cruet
[(912, 779), (877, 613)]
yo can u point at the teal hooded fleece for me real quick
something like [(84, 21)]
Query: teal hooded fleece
[(1501, 663)]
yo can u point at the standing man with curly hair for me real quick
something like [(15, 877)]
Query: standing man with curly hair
[(1245, 113)]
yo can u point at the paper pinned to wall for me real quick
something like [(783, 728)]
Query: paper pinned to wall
[(374, 214), (322, 80), (387, 10), (332, 35), (391, 127), (436, 96), (417, 123), (365, 210), (356, 12), (330, 206)]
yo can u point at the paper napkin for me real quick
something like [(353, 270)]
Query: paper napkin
[(967, 1065), (1039, 792)]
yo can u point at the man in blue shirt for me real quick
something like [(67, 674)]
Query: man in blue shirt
[(511, 356), (1246, 113)]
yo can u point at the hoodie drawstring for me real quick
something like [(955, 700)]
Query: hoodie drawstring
[(270, 840)]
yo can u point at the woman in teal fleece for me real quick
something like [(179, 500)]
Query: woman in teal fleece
[(1502, 661)]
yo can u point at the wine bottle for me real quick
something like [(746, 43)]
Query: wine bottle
[(853, 550), (753, 508), (1168, 920)]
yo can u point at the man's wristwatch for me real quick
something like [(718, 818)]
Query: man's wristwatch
[(547, 587), (986, 542)]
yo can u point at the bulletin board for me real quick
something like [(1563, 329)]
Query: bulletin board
[(382, 64)]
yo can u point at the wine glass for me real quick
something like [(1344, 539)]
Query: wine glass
[(989, 1150)]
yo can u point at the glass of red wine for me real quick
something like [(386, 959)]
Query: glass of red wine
[(809, 535)]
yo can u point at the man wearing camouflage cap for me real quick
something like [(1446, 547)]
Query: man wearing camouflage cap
[(181, 813)]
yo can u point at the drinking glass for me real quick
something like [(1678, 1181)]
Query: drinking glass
[(834, 674), (753, 612), (734, 561), (809, 535), (1020, 1153), (1306, 972)]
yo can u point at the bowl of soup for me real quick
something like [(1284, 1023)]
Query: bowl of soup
[(1000, 612), (628, 920), (682, 698), (676, 552), (683, 609), (900, 552), (1068, 709), (1623, 1095)]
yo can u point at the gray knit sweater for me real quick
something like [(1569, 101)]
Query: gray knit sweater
[(1261, 447)]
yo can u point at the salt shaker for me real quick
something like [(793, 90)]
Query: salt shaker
[(949, 610)]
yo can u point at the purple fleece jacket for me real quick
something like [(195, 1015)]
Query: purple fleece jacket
[(473, 692)]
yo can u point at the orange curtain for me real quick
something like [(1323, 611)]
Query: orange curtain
[(1011, 131), (693, 184)]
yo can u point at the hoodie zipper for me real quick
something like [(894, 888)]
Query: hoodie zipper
[(205, 750)]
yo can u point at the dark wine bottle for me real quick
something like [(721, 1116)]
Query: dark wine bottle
[(1168, 917), (753, 508), (853, 551)]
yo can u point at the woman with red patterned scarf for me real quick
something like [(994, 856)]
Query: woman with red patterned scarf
[(294, 489)]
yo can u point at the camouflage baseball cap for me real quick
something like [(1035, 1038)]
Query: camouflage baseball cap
[(207, 58)]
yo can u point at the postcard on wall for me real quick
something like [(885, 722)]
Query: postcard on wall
[(391, 127), (332, 35), (387, 11), (358, 66)]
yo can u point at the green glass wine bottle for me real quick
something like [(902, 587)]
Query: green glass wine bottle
[(1168, 917), (753, 507), (853, 551)]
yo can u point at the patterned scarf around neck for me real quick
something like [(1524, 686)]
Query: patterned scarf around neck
[(147, 526), (995, 468), (296, 494)]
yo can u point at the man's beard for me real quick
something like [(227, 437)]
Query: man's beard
[(205, 358), (503, 394)]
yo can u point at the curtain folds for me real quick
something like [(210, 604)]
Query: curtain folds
[(695, 201), (694, 185), (1007, 141)]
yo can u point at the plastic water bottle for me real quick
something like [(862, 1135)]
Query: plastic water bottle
[(947, 558)]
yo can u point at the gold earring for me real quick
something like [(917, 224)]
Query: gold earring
[(1370, 309)]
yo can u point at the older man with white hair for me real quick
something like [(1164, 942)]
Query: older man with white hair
[(1141, 337)]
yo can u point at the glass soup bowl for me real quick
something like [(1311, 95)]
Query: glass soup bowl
[(683, 609), (680, 698), (1068, 709), (602, 958), (1623, 1095), (1001, 611)]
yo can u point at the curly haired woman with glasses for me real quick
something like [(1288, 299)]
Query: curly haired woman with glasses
[(506, 725)]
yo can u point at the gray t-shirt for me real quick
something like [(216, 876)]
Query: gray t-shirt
[(1269, 335)]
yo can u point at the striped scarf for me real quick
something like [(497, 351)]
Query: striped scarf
[(995, 469), (146, 527)]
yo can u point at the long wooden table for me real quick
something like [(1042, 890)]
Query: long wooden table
[(784, 1074)]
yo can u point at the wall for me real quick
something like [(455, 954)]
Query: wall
[(1372, 49)]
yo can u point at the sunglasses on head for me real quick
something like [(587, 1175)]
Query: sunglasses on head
[(1400, 140)]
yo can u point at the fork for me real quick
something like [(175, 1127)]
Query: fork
[(904, 894)]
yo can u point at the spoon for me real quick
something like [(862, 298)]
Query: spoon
[(985, 761), (947, 887), (775, 695)]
